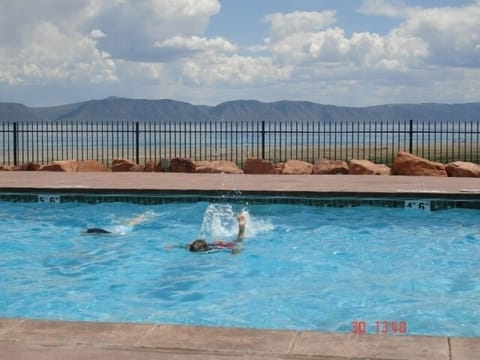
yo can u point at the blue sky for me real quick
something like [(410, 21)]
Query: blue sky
[(350, 52)]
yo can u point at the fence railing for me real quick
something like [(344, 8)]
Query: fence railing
[(42, 142)]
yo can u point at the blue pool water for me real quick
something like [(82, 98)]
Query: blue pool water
[(301, 267)]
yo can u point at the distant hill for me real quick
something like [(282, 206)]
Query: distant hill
[(122, 109)]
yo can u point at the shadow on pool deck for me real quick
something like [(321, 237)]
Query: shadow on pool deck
[(39, 340)]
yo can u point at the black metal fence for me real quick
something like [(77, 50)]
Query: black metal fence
[(42, 142)]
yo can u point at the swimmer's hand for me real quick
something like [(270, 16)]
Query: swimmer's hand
[(242, 220)]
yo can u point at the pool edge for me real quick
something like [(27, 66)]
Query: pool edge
[(43, 339)]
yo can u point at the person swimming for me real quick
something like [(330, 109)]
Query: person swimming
[(201, 245)]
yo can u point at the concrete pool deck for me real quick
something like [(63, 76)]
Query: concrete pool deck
[(38, 339)]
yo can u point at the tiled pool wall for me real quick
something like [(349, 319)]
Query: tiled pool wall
[(432, 203)]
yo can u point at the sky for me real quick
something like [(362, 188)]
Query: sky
[(340, 52)]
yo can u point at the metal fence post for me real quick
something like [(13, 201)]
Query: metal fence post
[(137, 142), (15, 143), (263, 139), (410, 134)]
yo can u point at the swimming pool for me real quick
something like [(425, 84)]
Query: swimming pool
[(301, 267)]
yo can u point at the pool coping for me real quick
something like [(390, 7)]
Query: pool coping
[(42, 339)]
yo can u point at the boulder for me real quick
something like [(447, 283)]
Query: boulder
[(62, 165), (330, 167), (463, 169), (123, 165), (182, 165), (149, 166), (297, 167), (217, 166), (260, 166), (138, 168), (411, 165), (7, 167), (382, 169), (365, 167), (31, 166), (91, 166)]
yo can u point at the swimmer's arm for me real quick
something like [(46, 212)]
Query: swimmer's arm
[(170, 247), (137, 220), (242, 220)]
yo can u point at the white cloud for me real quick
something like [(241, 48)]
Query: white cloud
[(97, 34), (52, 56), (233, 71), (282, 25), (80, 41), (451, 33), (363, 50), (445, 36)]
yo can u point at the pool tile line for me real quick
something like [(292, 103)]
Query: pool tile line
[(331, 200)]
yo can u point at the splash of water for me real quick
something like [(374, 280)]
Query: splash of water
[(220, 222)]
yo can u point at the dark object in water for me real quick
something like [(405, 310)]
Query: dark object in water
[(198, 245), (97, 231)]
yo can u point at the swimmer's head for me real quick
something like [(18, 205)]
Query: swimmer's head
[(198, 245)]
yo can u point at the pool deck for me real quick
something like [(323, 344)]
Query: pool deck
[(38, 339)]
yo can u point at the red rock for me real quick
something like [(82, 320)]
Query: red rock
[(463, 169), (411, 165), (260, 166), (182, 165), (63, 165), (297, 167), (123, 165), (31, 166), (366, 167), (330, 167), (138, 168), (149, 166), (91, 166), (217, 166), (7, 167)]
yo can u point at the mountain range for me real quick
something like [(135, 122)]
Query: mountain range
[(124, 109)]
